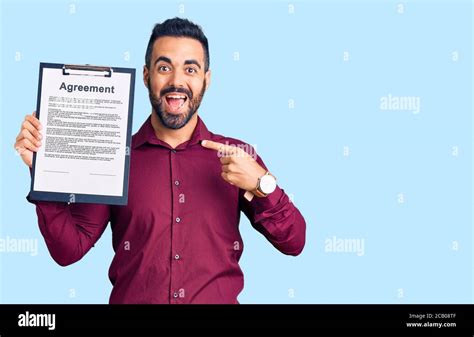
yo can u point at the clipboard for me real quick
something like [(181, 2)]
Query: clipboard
[(86, 74)]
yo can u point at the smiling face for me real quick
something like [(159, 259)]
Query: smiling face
[(176, 79)]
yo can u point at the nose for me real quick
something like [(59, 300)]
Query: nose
[(177, 80)]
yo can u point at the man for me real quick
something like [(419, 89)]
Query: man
[(177, 240)]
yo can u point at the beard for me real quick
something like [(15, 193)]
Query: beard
[(171, 120)]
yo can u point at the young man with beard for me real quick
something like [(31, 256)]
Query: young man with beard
[(177, 240)]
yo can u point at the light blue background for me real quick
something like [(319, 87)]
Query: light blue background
[(410, 248)]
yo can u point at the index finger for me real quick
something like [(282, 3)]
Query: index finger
[(223, 150), (33, 120), (213, 145)]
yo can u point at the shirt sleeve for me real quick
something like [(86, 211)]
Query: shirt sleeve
[(70, 230), (277, 218)]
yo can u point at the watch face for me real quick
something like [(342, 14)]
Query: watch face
[(267, 184)]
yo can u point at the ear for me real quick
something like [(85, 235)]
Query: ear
[(146, 75), (208, 78)]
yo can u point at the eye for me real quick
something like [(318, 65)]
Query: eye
[(163, 68), (191, 70)]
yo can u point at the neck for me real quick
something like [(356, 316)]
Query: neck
[(171, 136)]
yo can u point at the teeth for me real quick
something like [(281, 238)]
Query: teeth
[(176, 96)]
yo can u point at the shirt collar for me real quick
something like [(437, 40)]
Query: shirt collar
[(146, 134)]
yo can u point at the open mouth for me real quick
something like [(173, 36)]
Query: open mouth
[(175, 101)]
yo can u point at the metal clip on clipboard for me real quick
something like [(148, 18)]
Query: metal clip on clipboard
[(87, 70)]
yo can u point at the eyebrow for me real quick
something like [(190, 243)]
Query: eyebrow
[(192, 62), (164, 59), (168, 60)]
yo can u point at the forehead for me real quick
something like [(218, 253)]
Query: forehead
[(178, 49)]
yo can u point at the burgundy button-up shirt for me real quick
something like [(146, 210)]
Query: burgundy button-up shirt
[(177, 240)]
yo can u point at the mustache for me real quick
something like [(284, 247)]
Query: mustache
[(171, 89)]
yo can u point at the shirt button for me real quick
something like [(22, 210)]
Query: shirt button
[(173, 150), (175, 295), (176, 182), (178, 219), (176, 257)]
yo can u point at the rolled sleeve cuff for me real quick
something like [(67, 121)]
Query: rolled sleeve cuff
[(261, 204)]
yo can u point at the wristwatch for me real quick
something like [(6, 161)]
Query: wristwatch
[(266, 184)]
